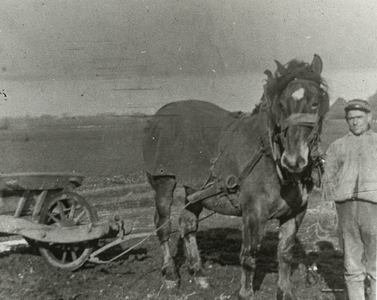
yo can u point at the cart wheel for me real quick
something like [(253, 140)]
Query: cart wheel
[(67, 209)]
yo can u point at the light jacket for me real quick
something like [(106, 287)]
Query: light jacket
[(351, 168)]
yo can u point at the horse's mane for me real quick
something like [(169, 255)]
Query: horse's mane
[(257, 108), (276, 83), (294, 69)]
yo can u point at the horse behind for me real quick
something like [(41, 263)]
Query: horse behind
[(258, 166)]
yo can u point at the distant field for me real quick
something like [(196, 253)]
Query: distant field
[(332, 130), (109, 147)]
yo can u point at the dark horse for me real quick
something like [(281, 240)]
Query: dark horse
[(259, 166)]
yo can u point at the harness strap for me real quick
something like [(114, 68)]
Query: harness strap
[(276, 158), (231, 181), (200, 195), (301, 119), (250, 166)]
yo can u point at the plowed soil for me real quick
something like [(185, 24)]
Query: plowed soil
[(136, 275)]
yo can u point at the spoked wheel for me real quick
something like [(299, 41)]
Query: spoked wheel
[(66, 210)]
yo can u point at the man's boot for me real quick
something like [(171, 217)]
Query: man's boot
[(355, 290)]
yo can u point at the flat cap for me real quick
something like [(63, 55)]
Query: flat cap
[(358, 104)]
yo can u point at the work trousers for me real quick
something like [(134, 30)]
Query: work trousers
[(358, 226)]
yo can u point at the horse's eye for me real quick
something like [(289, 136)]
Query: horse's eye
[(315, 105)]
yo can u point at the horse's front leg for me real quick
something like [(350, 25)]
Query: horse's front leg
[(287, 234), (254, 220), (189, 225)]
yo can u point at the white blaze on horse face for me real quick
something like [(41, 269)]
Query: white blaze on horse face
[(298, 94)]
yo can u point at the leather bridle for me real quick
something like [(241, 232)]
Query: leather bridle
[(278, 134)]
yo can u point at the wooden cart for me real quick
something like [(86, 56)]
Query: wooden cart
[(51, 216)]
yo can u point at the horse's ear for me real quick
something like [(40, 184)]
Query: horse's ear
[(316, 65), (269, 74), (281, 69)]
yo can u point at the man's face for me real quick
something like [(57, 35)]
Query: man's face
[(358, 121)]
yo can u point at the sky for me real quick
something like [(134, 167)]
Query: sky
[(83, 57)]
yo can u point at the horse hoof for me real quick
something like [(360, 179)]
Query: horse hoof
[(202, 282), (280, 295), (171, 285), (246, 294)]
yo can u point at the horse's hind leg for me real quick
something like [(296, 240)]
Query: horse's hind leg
[(189, 225), (164, 188)]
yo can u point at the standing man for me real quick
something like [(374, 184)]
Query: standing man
[(351, 181)]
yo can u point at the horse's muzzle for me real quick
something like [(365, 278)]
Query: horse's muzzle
[(294, 163)]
